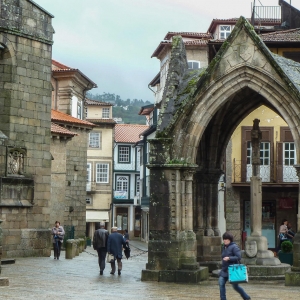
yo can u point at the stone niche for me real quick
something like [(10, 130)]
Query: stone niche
[(16, 191)]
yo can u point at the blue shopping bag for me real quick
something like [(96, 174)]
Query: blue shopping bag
[(237, 273)]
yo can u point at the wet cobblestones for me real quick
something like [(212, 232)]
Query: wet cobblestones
[(46, 278)]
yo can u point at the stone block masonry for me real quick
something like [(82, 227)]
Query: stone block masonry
[(25, 105)]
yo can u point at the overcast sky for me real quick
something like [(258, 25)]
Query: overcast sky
[(111, 41)]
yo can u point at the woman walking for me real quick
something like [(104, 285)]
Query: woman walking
[(58, 237), (231, 254)]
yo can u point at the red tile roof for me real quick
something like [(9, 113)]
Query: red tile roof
[(291, 35), (198, 42), (58, 68), (60, 65), (170, 34), (57, 116), (95, 102), (128, 133), (61, 130)]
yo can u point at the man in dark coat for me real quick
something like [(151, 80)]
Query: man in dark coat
[(100, 244), (115, 245)]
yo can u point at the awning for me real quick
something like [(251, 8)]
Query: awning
[(97, 216)]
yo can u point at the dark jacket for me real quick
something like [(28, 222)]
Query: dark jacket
[(115, 244), (100, 238), (234, 253)]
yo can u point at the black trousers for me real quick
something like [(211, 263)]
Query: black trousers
[(101, 257), (57, 247)]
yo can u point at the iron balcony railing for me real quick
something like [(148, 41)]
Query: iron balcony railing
[(274, 172), (265, 13)]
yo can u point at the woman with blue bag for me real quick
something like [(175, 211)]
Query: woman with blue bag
[(231, 254)]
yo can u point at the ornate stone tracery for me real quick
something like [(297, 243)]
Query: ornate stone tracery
[(15, 161)]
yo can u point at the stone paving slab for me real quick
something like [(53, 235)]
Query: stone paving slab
[(46, 278)]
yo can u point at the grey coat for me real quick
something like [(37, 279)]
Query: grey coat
[(59, 232), (115, 244), (234, 253)]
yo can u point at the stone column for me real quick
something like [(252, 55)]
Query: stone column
[(207, 231), (293, 278), (172, 243), (263, 256), (0, 244)]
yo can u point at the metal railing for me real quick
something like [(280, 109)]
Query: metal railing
[(274, 172), (271, 13)]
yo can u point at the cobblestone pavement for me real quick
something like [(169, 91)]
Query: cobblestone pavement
[(46, 278)]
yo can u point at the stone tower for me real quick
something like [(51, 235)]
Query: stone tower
[(25, 111)]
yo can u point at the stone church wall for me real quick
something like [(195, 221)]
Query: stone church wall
[(68, 204), (25, 107)]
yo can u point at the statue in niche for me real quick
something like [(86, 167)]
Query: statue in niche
[(15, 162)]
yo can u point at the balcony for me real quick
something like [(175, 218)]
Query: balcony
[(273, 173), (127, 167), (263, 13)]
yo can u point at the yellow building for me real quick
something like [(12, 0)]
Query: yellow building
[(99, 165)]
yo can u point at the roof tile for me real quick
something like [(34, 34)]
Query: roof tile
[(61, 130), (95, 102), (129, 133), (59, 116)]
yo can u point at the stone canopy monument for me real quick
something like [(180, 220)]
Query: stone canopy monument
[(199, 111)]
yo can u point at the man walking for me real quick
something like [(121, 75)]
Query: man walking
[(115, 245), (100, 244)]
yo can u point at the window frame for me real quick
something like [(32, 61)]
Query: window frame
[(89, 172), (225, 32), (105, 111), (99, 140), (193, 62), (129, 154), (98, 176)]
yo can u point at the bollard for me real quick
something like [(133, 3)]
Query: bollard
[(77, 247), (81, 241), (69, 249)]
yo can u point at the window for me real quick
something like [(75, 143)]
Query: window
[(102, 173), (79, 114), (225, 31), (94, 140), (137, 185), (124, 154), (88, 200), (289, 157), (193, 64), (122, 184), (105, 112), (89, 172)]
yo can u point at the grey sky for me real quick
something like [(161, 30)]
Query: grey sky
[(111, 41)]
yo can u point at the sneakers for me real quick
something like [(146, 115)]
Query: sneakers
[(101, 272), (119, 272), (112, 273)]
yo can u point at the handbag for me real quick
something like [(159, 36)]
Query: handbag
[(237, 273), (110, 258), (282, 236)]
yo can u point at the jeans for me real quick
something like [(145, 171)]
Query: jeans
[(101, 257), (57, 247), (237, 288)]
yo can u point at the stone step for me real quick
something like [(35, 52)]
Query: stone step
[(8, 261), (194, 266)]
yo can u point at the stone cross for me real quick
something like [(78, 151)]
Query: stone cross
[(256, 194)]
